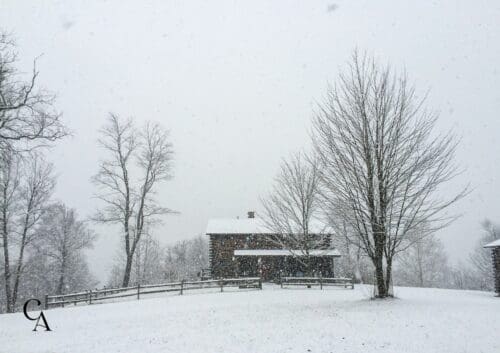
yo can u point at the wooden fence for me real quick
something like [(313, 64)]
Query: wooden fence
[(317, 281), (98, 295)]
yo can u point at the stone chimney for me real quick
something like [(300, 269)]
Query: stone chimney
[(251, 214)]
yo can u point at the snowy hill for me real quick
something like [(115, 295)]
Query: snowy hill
[(271, 320)]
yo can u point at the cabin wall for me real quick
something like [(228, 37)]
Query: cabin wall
[(223, 264), (496, 268), (221, 251), (272, 268)]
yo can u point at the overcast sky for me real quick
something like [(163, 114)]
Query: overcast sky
[(236, 82)]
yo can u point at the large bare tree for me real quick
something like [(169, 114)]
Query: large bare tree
[(381, 162), (9, 184), (292, 209), (36, 190), (27, 114), (26, 185), (136, 161)]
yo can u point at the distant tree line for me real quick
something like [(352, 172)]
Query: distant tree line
[(154, 263), (425, 264)]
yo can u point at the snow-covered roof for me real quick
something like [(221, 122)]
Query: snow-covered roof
[(246, 226), (283, 252), (494, 244), (236, 226)]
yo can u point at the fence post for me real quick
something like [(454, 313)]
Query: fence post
[(182, 286), (221, 285), (260, 283), (352, 283), (62, 296), (90, 296), (138, 290), (281, 280), (46, 304), (321, 282)]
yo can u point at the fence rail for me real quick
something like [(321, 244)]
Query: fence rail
[(97, 295), (317, 281)]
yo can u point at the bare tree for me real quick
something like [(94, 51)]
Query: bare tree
[(147, 265), (198, 254), (291, 210), (36, 190), (185, 259), (27, 184), (425, 264), (127, 189), (481, 258), (9, 184), (177, 258), (464, 277), (155, 264), (26, 113), (381, 162), (353, 263), (62, 239)]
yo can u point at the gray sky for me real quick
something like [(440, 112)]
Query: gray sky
[(236, 81)]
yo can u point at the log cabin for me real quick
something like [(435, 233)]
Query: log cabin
[(246, 248), (495, 255)]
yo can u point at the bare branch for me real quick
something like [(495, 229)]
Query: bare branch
[(27, 115)]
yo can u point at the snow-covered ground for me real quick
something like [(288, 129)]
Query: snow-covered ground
[(271, 320)]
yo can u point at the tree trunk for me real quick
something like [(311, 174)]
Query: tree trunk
[(379, 267), (17, 279), (420, 270), (308, 266), (379, 278), (7, 274), (420, 275), (60, 285), (388, 274), (128, 269), (20, 260)]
